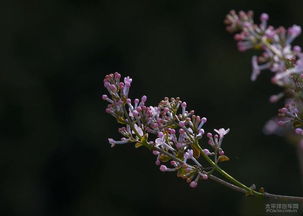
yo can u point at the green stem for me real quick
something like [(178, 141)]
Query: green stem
[(249, 190)]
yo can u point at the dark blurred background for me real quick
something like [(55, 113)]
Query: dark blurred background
[(55, 159)]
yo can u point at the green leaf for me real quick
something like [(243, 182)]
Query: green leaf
[(297, 123), (180, 155), (223, 158), (138, 144), (196, 150), (164, 158), (121, 120), (144, 141), (181, 172)]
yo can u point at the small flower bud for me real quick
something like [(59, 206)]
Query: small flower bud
[(135, 113), (144, 98), (204, 176), (201, 131), (156, 152), (283, 110), (173, 163), (264, 17), (104, 97), (182, 123), (113, 88), (117, 75), (297, 49), (193, 184), (206, 151), (299, 131), (163, 168), (160, 134)]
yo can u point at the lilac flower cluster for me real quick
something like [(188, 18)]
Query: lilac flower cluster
[(279, 56), (169, 130)]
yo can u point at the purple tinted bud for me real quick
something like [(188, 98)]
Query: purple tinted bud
[(174, 163), (201, 131), (183, 104), (157, 162), (106, 84), (283, 110), (204, 176), (206, 151), (156, 152), (203, 121), (181, 131), (160, 134), (104, 97), (139, 109), (113, 88), (182, 123), (264, 17), (299, 131), (165, 109), (135, 113), (238, 37), (163, 168), (193, 184), (209, 135), (297, 49), (117, 76), (295, 30), (198, 119), (144, 98), (172, 131), (221, 152), (273, 99)]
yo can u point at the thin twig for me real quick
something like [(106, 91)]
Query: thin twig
[(227, 184), (283, 197), (235, 187)]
